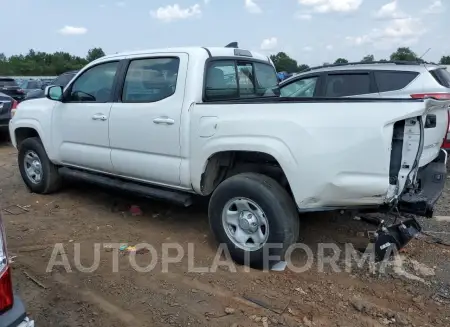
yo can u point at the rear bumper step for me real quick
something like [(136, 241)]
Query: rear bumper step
[(432, 179)]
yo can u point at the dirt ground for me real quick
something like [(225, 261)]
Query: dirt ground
[(82, 214)]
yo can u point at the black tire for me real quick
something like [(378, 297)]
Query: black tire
[(278, 206), (51, 180)]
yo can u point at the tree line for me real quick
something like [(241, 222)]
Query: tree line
[(284, 63), (37, 63)]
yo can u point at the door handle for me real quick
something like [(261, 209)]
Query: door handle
[(99, 117), (164, 120)]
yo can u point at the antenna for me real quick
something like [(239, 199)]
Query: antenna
[(424, 53), (232, 45)]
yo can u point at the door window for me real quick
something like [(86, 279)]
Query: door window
[(341, 85), (95, 84), (301, 88), (150, 80)]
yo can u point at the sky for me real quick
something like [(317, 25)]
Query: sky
[(310, 31)]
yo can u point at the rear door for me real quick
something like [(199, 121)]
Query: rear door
[(145, 123)]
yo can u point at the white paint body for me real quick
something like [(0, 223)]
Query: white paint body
[(334, 154)]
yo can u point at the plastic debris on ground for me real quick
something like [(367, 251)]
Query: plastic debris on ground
[(135, 210)]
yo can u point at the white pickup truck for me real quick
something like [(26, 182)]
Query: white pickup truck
[(175, 123)]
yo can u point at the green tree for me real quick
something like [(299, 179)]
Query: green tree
[(302, 67), (341, 61), (94, 54), (284, 63), (404, 54), (445, 60), (368, 58)]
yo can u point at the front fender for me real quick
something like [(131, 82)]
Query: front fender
[(271, 146)]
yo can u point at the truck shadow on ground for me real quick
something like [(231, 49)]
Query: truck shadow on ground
[(316, 228)]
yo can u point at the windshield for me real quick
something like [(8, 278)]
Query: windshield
[(237, 79)]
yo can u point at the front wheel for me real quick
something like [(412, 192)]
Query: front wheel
[(255, 217), (36, 169)]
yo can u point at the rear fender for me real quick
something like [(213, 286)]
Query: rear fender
[(274, 147)]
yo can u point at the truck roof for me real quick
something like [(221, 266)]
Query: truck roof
[(192, 51)]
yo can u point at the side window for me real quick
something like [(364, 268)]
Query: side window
[(95, 84), (240, 79), (341, 85), (393, 80), (221, 82), (150, 80), (301, 88)]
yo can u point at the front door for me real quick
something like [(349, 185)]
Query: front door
[(80, 123), (145, 122)]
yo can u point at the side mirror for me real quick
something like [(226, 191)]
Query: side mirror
[(54, 92)]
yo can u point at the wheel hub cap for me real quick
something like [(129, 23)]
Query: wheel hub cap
[(33, 167), (248, 222), (245, 224)]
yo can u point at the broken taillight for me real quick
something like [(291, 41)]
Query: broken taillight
[(438, 96), (6, 289)]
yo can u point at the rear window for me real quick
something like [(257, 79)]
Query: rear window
[(341, 85), (240, 79), (393, 80), (442, 76), (7, 82)]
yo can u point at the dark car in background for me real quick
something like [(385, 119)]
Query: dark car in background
[(31, 85), (7, 104), (10, 87), (61, 80)]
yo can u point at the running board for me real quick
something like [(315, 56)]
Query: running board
[(183, 199)]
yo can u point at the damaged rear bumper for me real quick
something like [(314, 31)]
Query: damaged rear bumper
[(431, 179)]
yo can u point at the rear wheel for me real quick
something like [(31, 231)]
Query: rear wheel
[(255, 217), (36, 169)]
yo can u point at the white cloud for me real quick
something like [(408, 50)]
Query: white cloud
[(329, 47), (269, 44), (308, 48), (324, 6), (252, 7), (175, 12), (72, 30), (120, 4), (206, 1), (404, 31), (389, 10), (303, 16), (435, 8)]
